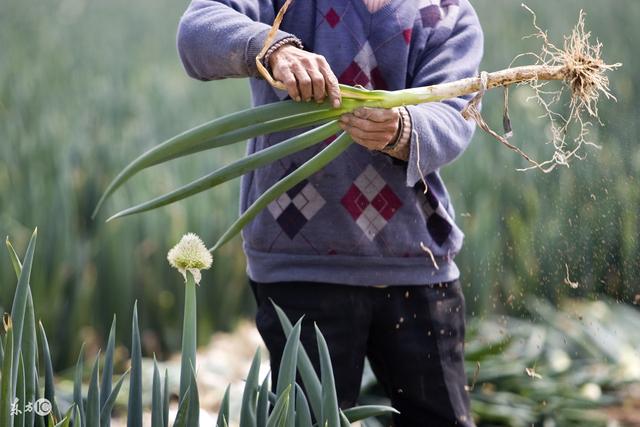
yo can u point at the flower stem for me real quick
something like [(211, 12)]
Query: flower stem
[(189, 334)]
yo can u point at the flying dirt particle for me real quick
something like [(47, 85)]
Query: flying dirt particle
[(568, 281), (428, 251), (531, 372)]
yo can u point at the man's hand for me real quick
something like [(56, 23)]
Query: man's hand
[(306, 75), (373, 128)]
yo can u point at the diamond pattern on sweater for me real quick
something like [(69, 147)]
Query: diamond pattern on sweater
[(430, 15), (438, 226), (371, 202), (438, 12), (293, 209), (363, 70), (332, 18), (406, 34)]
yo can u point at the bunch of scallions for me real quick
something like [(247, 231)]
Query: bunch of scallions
[(577, 63)]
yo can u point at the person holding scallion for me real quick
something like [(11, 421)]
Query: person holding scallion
[(365, 247)]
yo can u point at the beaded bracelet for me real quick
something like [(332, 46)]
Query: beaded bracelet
[(277, 45), (404, 129)]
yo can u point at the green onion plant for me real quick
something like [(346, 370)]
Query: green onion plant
[(578, 64), (92, 406)]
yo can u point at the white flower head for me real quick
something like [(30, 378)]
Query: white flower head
[(190, 254)]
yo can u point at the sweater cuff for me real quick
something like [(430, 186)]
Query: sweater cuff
[(255, 44)]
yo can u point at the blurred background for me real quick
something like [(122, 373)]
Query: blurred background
[(87, 85)]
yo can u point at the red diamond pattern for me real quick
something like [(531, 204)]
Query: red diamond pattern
[(386, 202), (354, 201), (407, 35), (364, 70), (371, 202), (332, 18), (378, 81), (354, 75)]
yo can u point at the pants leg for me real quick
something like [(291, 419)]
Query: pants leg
[(341, 312), (416, 349)]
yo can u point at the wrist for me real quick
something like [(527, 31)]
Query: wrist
[(404, 128), (270, 55), (399, 146)]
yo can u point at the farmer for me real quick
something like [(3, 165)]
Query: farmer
[(365, 247)]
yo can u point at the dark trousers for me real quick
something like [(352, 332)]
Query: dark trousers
[(412, 335)]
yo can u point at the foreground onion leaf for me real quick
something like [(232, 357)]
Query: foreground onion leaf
[(250, 394), (93, 396), (330, 410), (134, 415), (312, 166), (157, 419), (105, 412), (77, 386), (240, 167), (19, 307), (307, 373), (6, 392)]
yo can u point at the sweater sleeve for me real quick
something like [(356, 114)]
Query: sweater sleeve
[(221, 38), (440, 133)]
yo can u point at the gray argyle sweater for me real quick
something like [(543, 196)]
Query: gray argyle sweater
[(363, 219)]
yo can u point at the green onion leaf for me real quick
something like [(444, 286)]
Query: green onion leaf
[(310, 167), (236, 169)]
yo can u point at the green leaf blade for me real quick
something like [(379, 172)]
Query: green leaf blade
[(330, 411), (6, 391), (250, 394), (77, 386), (262, 409), (107, 370), (307, 372), (303, 415), (183, 413), (288, 369), (93, 396), (19, 307), (278, 417), (165, 399), (310, 167), (226, 130), (107, 407), (194, 401), (20, 393), (49, 386), (134, 416), (238, 168), (30, 353), (223, 415), (157, 403), (15, 259)]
